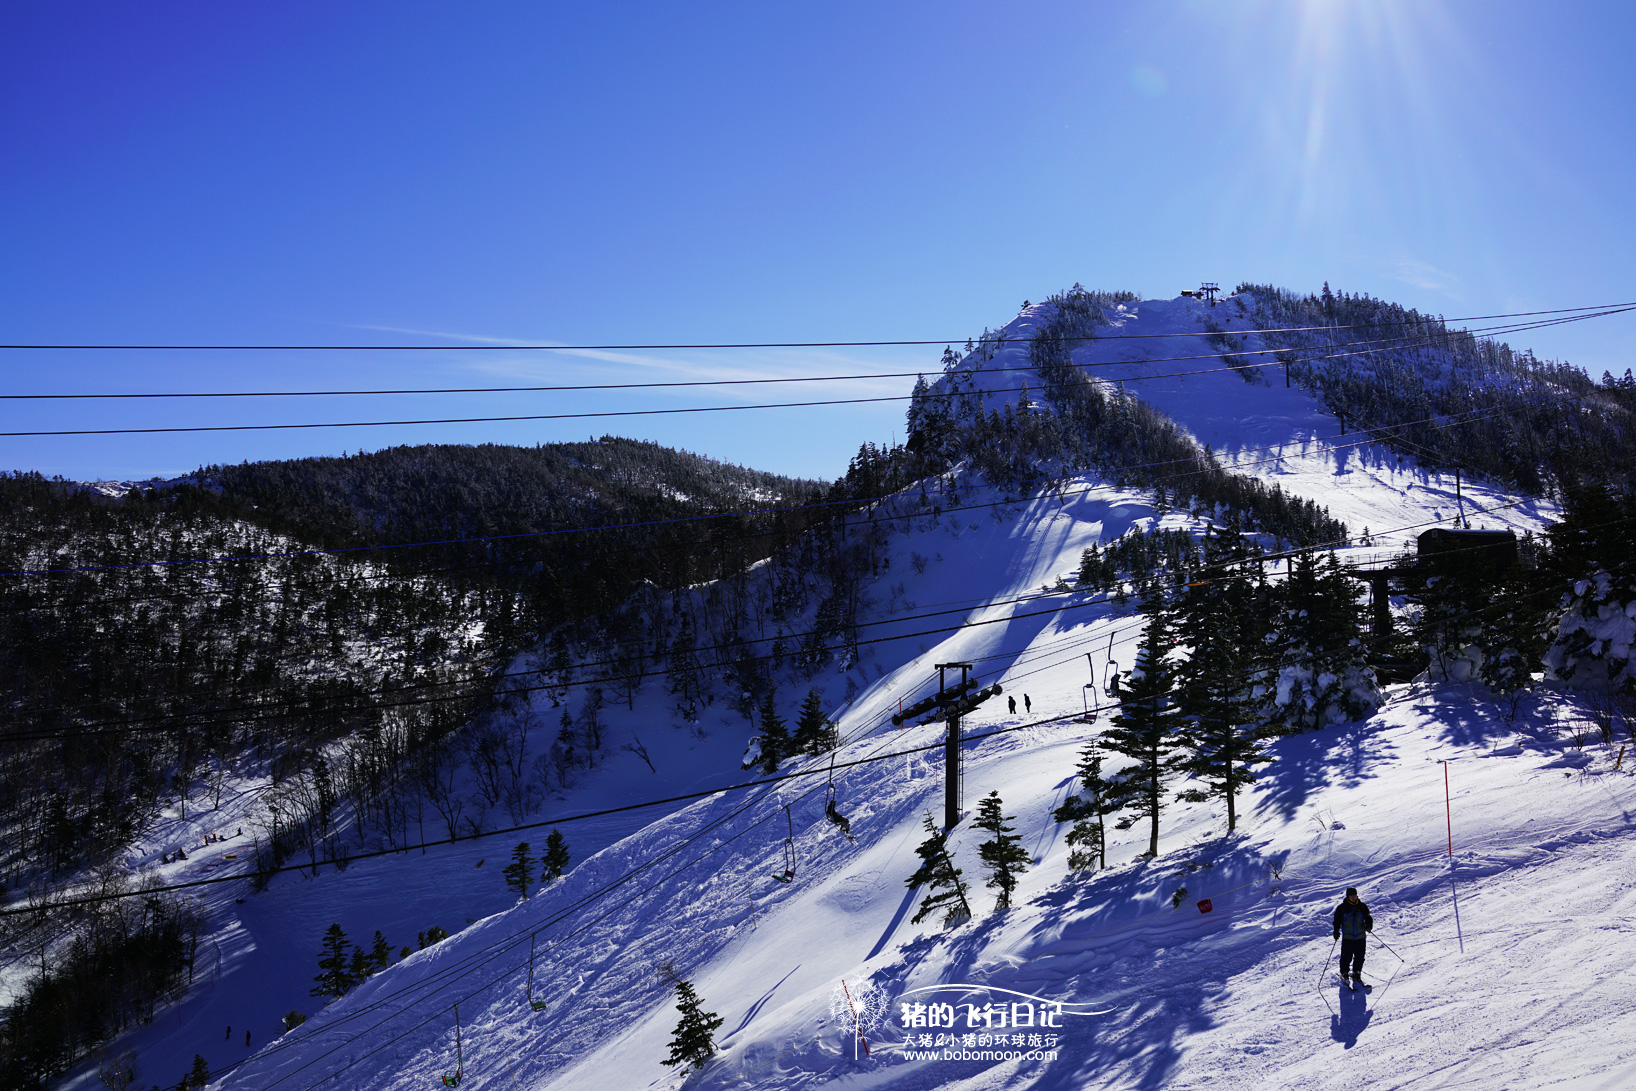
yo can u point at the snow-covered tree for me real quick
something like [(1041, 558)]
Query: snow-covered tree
[(1320, 673), (1595, 627)]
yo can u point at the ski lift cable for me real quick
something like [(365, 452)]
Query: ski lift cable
[(762, 381), (597, 414), (539, 347)]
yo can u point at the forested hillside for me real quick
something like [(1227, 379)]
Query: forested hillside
[(1449, 397)]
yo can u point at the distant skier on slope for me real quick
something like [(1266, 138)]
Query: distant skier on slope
[(1352, 924)]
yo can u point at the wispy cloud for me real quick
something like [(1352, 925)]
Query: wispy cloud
[(1420, 274), (793, 368)]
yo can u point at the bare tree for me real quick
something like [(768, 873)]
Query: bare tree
[(438, 777), (635, 747)]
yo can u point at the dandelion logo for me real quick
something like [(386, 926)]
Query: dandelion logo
[(858, 1007)]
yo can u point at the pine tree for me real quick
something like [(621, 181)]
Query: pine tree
[(380, 952), (1323, 674), (519, 874), (1215, 682), (1087, 840), (555, 860), (1146, 727), (1003, 853), (938, 875), (199, 1074), (359, 967), (775, 737), (814, 732), (333, 978), (693, 1042)]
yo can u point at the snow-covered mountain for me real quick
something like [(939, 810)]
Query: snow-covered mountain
[(1501, 965)]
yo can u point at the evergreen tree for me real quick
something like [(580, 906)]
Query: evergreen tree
[(814, 732), (334, 978), (519, 874), (1003, 853), (1146, 727), (359, 966), (940, 877), (1214, 683), (1087, 840), (380, 952), (555, 860), (1323, 674), (199, 1074), (693, 1042), (775, 737), (1592, 547)]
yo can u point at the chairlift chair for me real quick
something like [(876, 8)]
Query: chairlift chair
[(1110, 676), (537, 1005), (789, 851), (452, 1079), (831, 812)]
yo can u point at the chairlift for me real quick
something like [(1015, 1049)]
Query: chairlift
[(537, 1005), (789, 851), (1110, 675), (452, 1079), (1085, 696), (831, 812)]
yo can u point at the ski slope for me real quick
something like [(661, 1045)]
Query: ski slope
[(1511, 956)]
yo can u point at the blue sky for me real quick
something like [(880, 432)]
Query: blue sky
[(632, 173)]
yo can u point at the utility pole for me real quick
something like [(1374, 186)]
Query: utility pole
[(953, 774)]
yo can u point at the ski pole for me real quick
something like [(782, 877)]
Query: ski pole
[(1325, 966), (1388, 946)]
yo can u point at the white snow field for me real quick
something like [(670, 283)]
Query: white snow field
[(1508, 963)]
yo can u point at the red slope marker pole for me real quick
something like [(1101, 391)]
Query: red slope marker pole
[(855, 1024), (1448, 810)]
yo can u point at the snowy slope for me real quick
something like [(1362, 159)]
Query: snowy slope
[(1512, 955)]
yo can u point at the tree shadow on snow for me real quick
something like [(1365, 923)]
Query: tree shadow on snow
[(1118, 941), (1342, 755)]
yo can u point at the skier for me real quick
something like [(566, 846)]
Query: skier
[(1352, 923), (1012, 701), (1028, 706)]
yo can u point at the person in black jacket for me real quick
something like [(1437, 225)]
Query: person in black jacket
[(1352, 923)]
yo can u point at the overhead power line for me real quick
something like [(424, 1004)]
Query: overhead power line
[(1411, 342), (535, 347), (761, 381)]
